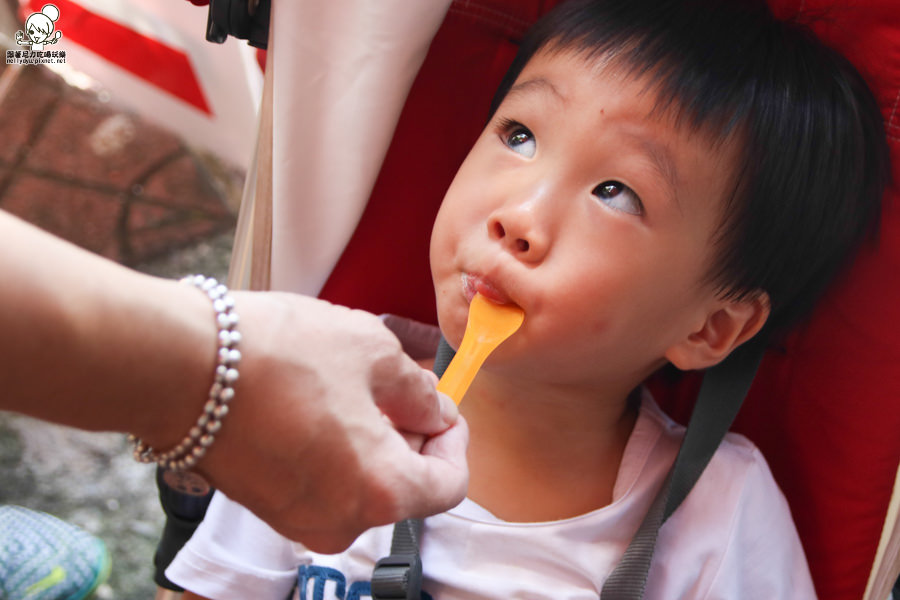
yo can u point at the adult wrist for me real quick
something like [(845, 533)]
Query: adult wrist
[(193, 445)]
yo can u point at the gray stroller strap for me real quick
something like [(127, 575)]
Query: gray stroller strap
[(721, 394)]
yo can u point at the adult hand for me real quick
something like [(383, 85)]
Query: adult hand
[(314, 442), (307, 446)]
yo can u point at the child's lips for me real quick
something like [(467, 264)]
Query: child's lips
[(473, 284)]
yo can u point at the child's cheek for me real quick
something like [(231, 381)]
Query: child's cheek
[(452, 314)]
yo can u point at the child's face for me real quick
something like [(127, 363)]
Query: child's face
[(591, 215)]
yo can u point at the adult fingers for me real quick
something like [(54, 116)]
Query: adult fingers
[(406, 394), (442, 473)]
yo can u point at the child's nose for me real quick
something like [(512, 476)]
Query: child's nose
[(519, 231)]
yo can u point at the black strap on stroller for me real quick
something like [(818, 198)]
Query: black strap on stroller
[(183, 513), (724, 387)]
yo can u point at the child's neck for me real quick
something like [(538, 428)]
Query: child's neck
[(543, 453)]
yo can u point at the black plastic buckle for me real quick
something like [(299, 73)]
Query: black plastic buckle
[(244, 19), (397, 577)]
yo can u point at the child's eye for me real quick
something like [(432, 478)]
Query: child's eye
[(518, 138), (619, 196)]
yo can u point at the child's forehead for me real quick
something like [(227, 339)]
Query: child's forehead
[(552, 78), (557, 75), (558, 71)]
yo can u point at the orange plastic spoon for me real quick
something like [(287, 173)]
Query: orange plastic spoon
[(488, 326)]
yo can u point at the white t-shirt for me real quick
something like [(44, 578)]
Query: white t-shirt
[(732, 538)]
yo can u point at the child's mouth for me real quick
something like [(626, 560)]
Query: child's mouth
[(476, 284)]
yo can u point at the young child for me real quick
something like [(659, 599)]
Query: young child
[(658, 182)]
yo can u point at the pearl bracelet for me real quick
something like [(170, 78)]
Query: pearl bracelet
[(201, 436)]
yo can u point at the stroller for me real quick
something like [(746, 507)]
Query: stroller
[(823, 407)]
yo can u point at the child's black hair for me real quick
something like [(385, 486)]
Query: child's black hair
[(812, 149)]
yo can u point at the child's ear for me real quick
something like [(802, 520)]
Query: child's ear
[(727, 326)]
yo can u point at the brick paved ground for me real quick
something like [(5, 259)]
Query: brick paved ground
[(99, 176)]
